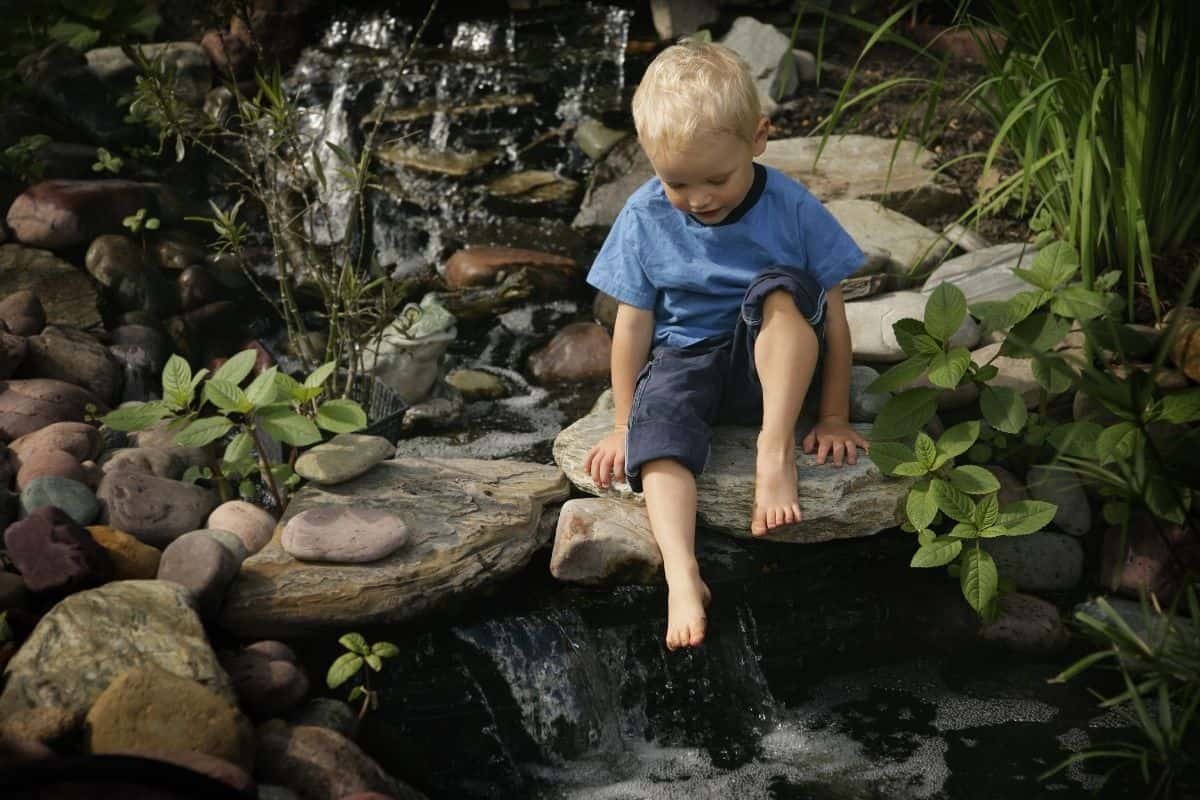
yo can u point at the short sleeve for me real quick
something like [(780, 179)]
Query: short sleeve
[(830, 254), (617, 270)]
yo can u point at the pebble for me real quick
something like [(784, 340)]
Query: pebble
[(155, 510), (1039, 562), (1027, 624), (248, 522), (73, 497), (267, 686), (131, 559), (342, 458), (49, 464), (81, 440), (203, 566), (343, 535), (230, 541)]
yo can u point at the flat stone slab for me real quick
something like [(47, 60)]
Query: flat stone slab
[(985, 274), (837, 502), (472, 523)]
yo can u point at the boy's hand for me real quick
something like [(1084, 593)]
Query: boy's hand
[(606, 460), (833, 436)]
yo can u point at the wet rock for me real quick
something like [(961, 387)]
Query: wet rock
[(325, 712), (1014, 373), (219, 769), (203, 566), (60, 214), (850, 501), (913, 247), (73, 497), (149, 704), (49, 463), (131, 560), (177, 250), (985, 275), (155, 510), (582, 351), (871, 321), (444, 409), (158, 461), (343, 458), (59, 77), (21, 311), (474, 523), (79, 439), (343, 535), (477, 385), (230, 54), (1063, 488), (1028, 625), (251, 524), (602, 541), (151, 341), (533, 192), (604, 309), (456, 164), (675, 18), (1153, 557), (864, 406), (616, 178), (112, 257), (1040, 562), (187, 62), (208, 332), (54, 554), (768, 52), (13, 350), (318, 763), (146, 292), (196, 288), (856, 167), (594, 139), (72, 356), (487, 266), (66, 295), (267, 686)]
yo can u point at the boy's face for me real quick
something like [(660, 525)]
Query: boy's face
[(710, 177)]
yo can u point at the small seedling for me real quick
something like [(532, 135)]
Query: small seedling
[(107, 162), (140, 221), (353, 662)]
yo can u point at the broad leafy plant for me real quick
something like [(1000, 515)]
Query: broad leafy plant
[(204, 411), (360, 658)]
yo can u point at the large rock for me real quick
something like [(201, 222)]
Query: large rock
[(66, 294), (857, 167), (768, 53), (91, 637), (618, 176), (343, 458), (343, 535), (149, 704), (912, 247), (46, 464), (29, 405), (72, 497), (131, 560), (1062, 487), (603, 540), (487, 266), (1014, 373), (59, 77), (22, 311), (79, 439), (155, 510), (837, 502), (675, 18), (1151, 557), (582, 351), (1040, 562), (70, 355), (159, 461), (473, 524), (61, 214), (985, 275), (267, 679), (1027, 624), (871, 320), (203, 566), (55, 554)]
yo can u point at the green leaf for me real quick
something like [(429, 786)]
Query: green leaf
[(286, 388), (385, 649), (177, 383), (911, 469), (905, 413), (319, 375), (888, 455), (355, 643), (986, 373), (1078, 303), (73, 34), (1117, 442), (199, 376), (906, 332), (226, 396), (964, 530), (926, 451), (987, 512), (945, 311), (288, 427), (926, 345), (1054, 265), (1036, 334), (237, 368), (937, 553), (947, 369), (341, 416), (900, 375), (203, 431), (1163, 498), (135, 417), (1003, 408), (262, 390), (343, 669), (238, 448), (1026, 516), (953, 503), (374, 662), (978, 578), (957, 439), (1116, 512), (357, 692), (920, 507), (1181, 407), (1052, 373), (925, 536), (974, 480)]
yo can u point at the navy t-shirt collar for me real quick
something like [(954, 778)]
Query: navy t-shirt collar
[(743, 208)]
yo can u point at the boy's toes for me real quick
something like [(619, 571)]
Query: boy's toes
[(758, 523)]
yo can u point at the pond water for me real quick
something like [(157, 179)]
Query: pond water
[(831, 671)]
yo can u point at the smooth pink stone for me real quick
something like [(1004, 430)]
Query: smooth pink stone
[(343, 534)]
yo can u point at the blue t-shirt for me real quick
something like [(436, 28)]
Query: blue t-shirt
[(694, 276)]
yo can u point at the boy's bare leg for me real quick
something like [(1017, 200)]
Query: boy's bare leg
[(670, 490), (785, 356)]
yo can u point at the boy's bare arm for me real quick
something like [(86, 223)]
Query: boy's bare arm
[(833, 435), (633, 333)]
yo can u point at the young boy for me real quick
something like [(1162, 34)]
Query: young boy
[(731, 272)]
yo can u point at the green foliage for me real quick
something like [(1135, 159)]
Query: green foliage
[(20, 159), (141, 221), (107, 162), (273, 403), (360, 658)]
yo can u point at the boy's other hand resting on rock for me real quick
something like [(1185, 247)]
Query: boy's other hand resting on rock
[(606, 460), (834, 437)]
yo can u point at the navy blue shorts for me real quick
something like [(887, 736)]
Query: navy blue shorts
[(683, 391)]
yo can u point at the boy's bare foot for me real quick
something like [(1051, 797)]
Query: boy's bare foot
[(687, 599), (776, 500)]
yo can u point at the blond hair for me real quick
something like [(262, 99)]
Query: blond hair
[(691, 89)]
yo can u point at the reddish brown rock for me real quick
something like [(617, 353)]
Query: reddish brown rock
[(1027, 624), (486, 266), (1155, 558), (318, 763), (29, 405), (44, 463), (54, 554), (79, 439), (70, 355), (61, 214), (266, 678), (22, 312), (582, 351)]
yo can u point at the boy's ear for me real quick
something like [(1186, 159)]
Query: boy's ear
[(760, 135)]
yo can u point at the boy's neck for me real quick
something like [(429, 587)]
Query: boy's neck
[(748, 200)]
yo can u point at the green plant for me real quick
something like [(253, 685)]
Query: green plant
[(273, 403), (140, 222), (1159, 665), (360, 659), (107, 162), (20, 159)]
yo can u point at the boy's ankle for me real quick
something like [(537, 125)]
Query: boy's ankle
[(773, 441)]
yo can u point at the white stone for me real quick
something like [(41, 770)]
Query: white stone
[(913, 247), (768, 51), (864, 407), (985, 275), (964, 238), (1063, 488), (1014, 373), (1039, 562), (871, 322), (602, 540), (675, 18)]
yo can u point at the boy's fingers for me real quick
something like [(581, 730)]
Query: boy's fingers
[(822, 450), (619, 468), (809, 439), (839, 452), (851, 453)]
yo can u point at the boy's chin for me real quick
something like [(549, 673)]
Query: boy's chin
[(711, 218)]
